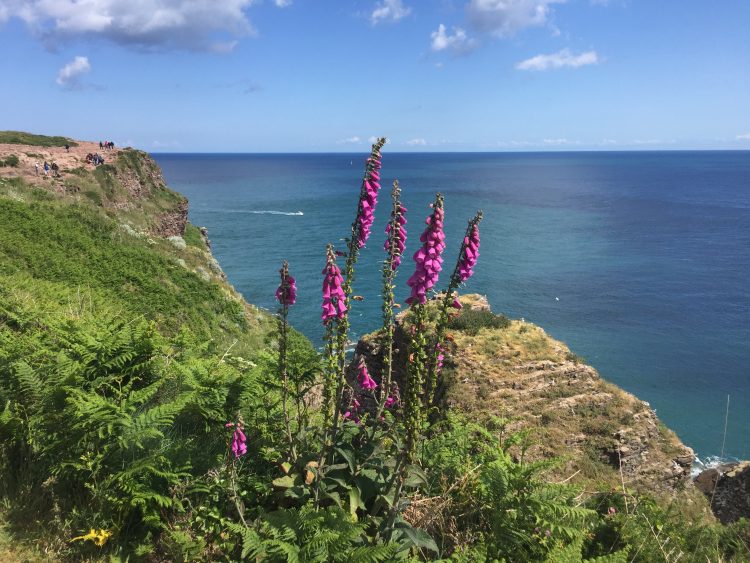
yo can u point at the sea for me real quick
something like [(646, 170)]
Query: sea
[(638, 261)]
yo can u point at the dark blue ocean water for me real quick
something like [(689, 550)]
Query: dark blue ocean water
[(640, 262)]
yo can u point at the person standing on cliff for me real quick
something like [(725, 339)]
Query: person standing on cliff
[(46, 167), (36, 168)]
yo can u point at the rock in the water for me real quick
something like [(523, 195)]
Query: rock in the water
[(731, 481)]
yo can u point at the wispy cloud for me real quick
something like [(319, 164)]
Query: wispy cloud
[(503, 18), (458, 42), (389, 10), (350, 141), (561, 59), (199, 25), (743, 137), (69, 76), (282, 3), (418, 142), (558, 142)]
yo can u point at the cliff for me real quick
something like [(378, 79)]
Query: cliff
[(116, 234), (128, 185), (511, 369)]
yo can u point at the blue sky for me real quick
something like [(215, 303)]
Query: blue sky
[(431, 75)]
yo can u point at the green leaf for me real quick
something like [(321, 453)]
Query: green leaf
[(415, 477), (367, 486), (355, 501), (348, 455), (334, 496), (418, 538), (287, 481)]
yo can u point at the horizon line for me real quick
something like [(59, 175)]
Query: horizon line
[(364, 151)]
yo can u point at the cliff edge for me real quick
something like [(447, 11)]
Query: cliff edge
[(512, 370), (103, 223)]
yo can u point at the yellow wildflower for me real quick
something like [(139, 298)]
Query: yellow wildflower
[(99, 537)]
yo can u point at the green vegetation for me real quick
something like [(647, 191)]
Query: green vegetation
[(471, 321), (125, 377), (74, 247), (193, 237), (10, 160), (22, 138)]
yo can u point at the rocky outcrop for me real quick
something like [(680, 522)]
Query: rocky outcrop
[(172, 223), (520, 374), (727, 488), (138, 174)]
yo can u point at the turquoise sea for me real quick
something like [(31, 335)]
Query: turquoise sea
[(639, 261)]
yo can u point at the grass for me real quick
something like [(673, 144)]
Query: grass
[(193, 237), (11, 551), (471, 321), (23, 138), (76, 248)]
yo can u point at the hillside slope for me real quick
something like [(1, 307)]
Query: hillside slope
[(605, 437), (114, 233)]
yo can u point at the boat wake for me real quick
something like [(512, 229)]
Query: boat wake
[(260, 212)]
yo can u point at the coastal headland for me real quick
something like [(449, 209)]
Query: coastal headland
[(113, 237)]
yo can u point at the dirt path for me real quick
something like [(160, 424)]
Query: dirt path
[(30, 155)]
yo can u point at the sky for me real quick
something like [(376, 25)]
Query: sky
[(430, 75)]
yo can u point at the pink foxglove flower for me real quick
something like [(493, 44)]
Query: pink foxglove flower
[(389, 402), (470, 254), (239, 442), (351, 412), (365, 381), (397, 235), (440, 357), (334, 300), (428, 258), (368, 198), (287, 291)]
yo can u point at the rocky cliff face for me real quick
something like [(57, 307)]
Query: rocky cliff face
[(727, 488), (520, 374), (128, 185)]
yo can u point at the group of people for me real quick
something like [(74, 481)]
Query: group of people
[(96, 159), (106, 145), (47, 167)]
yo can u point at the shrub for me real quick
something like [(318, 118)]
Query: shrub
[(472, 321), (22, 138), (10, 160)]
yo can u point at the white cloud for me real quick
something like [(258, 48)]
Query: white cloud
[(350, 141), (653, 142), (419, 142), (282, 3), (560, 59), (505, 17), (69, 76), (743, 137), (458, 42), (152, 24), (559, 141), (389, 10)]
